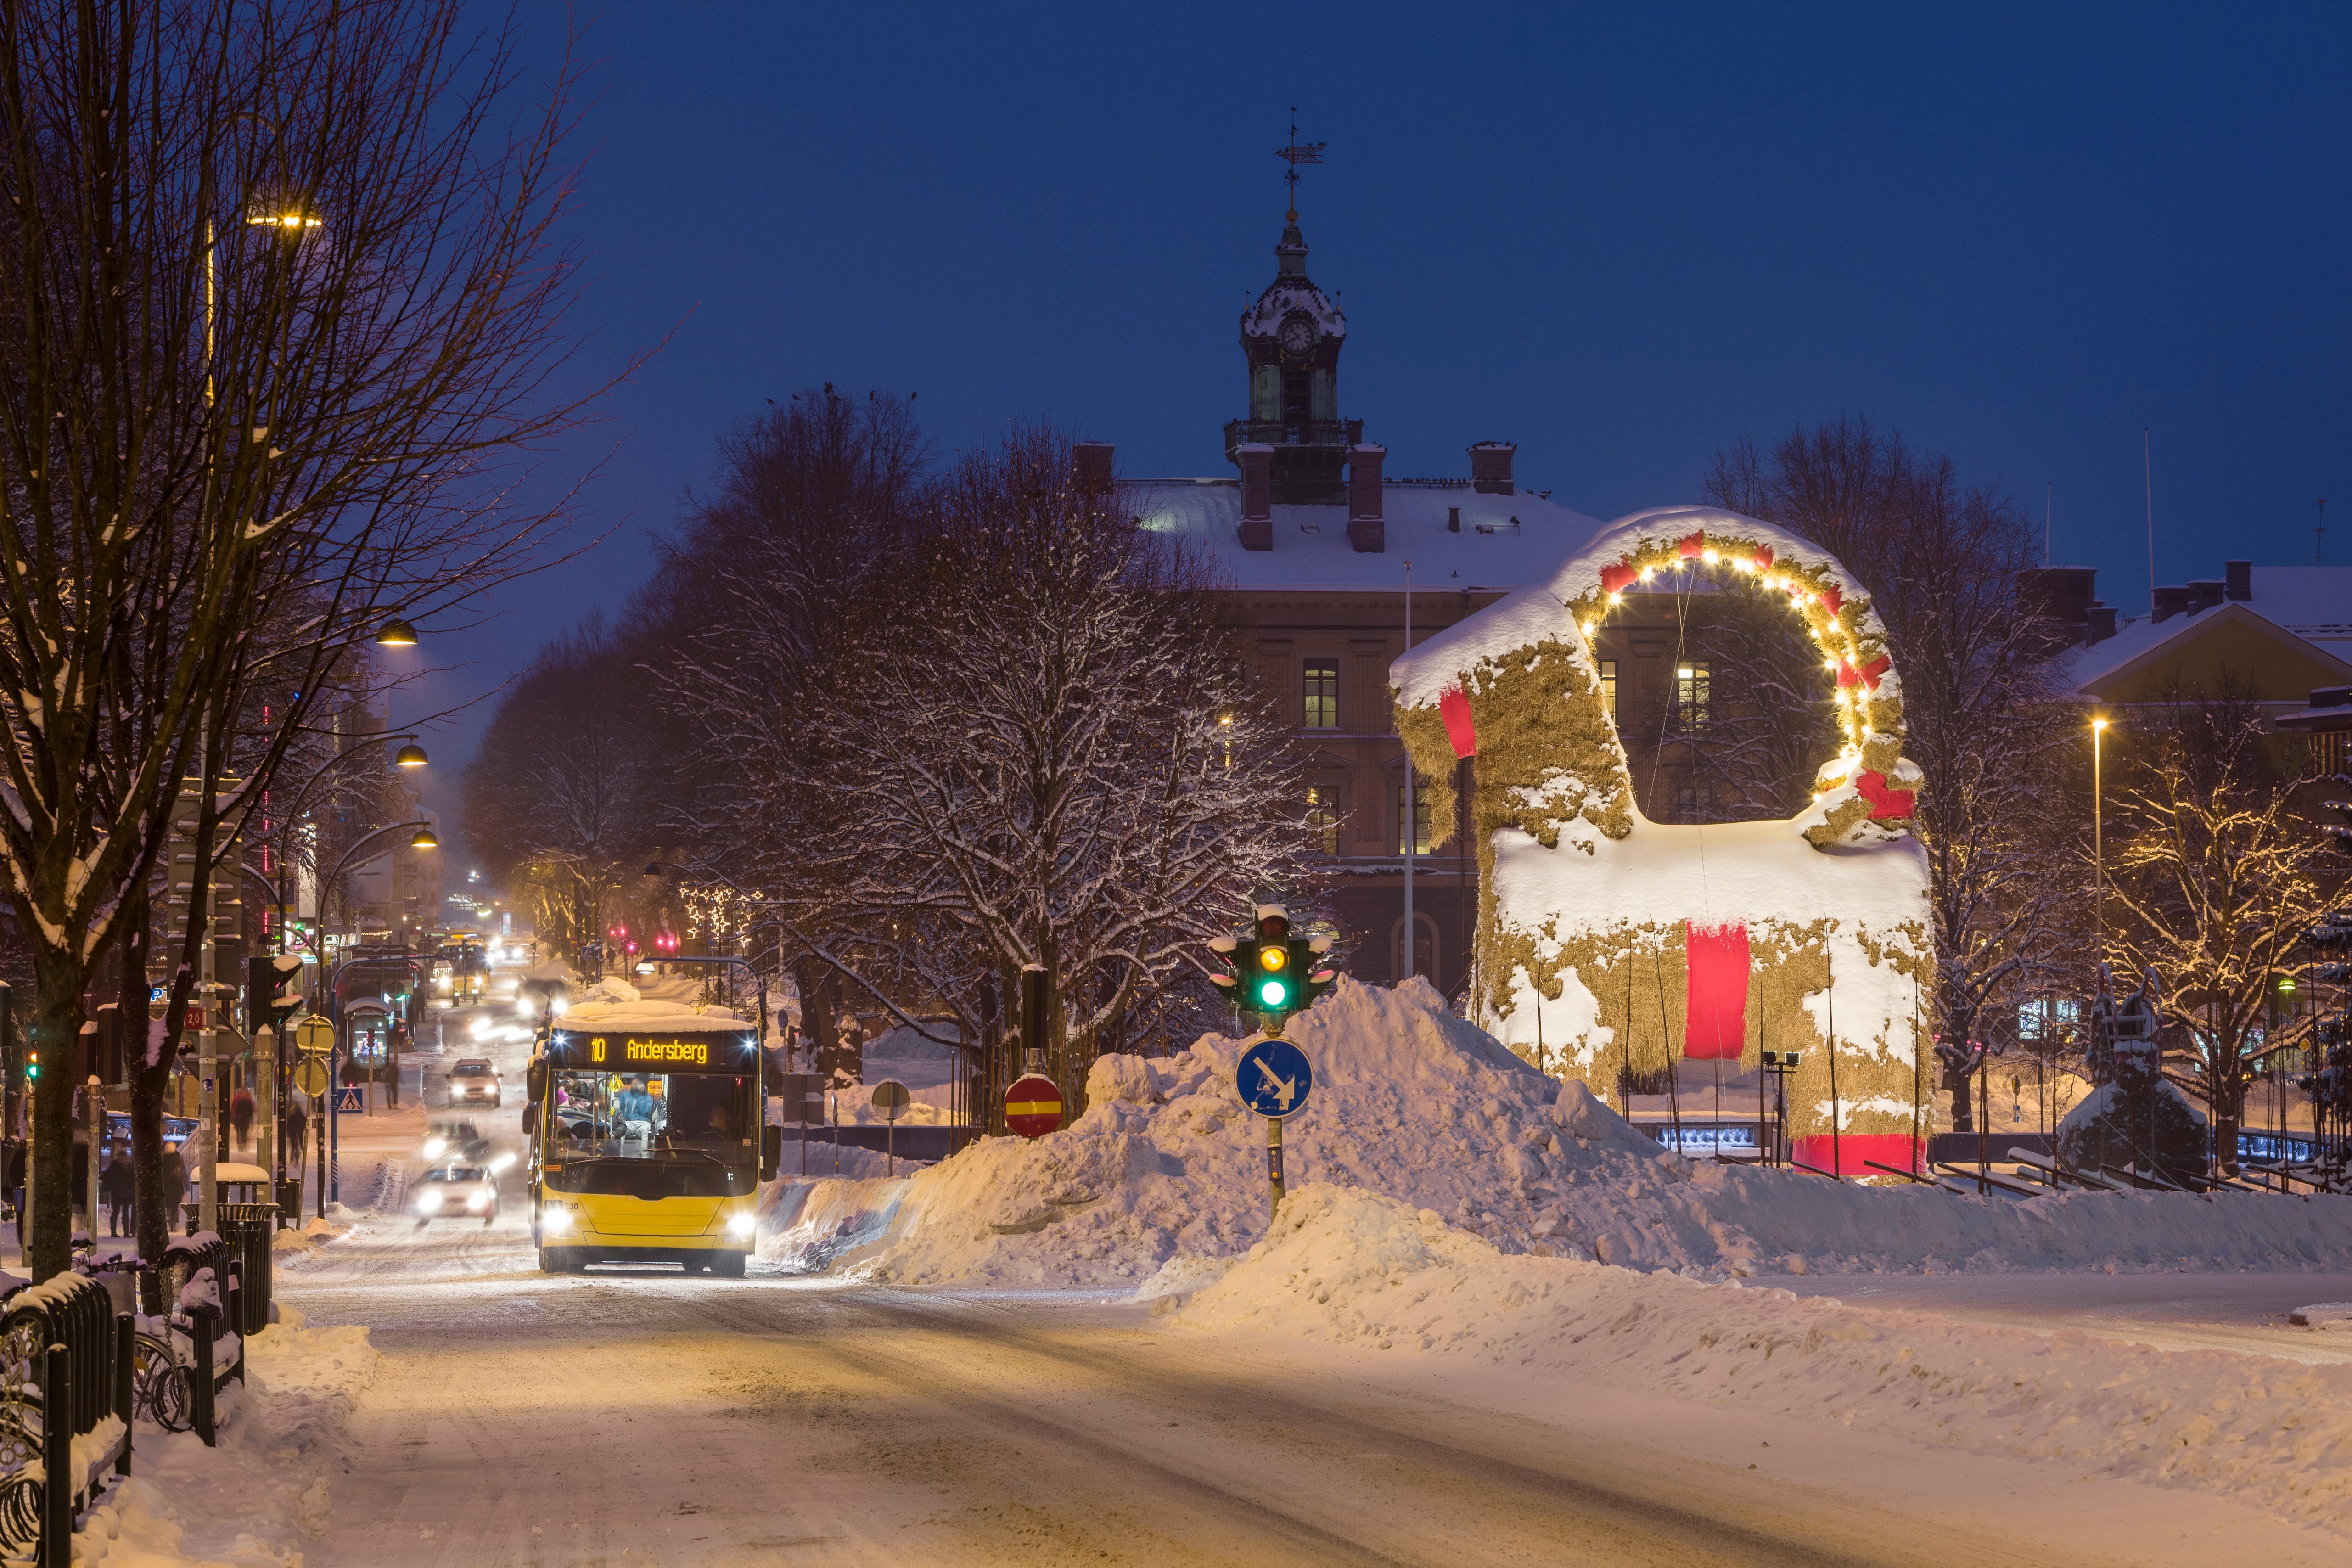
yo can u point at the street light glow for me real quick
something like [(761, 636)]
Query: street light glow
[(411, 755), (424, 840), (396, 633)]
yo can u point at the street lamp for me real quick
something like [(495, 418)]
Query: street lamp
[(411, 755), (2098, 834), (396, 633)]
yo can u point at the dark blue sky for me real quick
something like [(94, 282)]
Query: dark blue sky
[(1621, 241)]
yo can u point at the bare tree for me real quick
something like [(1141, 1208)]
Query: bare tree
[(1031, 746), (2215, 878), (1980, 706), (559, 800), (281, 296)]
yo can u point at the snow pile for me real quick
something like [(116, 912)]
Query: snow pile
[(1414, 1104), (313, 1234), (261, 1496), (1408, 1100), (1352, 1267)]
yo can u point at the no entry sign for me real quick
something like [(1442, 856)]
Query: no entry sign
[(1033, 1106)]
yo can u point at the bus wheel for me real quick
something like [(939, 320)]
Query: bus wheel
[(555, 1261), (728, 1266), (695, 1265)]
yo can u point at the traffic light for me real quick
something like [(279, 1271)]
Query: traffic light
[(1273, 975), (33, 1065), (269, 995)]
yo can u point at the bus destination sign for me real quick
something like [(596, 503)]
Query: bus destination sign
[(623, 1052)]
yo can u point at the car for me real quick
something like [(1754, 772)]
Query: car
[(456, 1192), (455, 1143), (474, 1081)]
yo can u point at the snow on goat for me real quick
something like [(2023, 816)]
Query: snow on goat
[(1607, 941)]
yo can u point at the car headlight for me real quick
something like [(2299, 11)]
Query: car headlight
[(741, 1224), (555, 1219), (478, 1202), (432, 1147), (429, 1202)]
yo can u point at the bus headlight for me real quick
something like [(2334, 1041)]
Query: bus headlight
[(741, 1224), (555, 1219)]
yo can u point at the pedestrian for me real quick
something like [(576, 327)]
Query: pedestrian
[(240, 1118), (15, 1181), (117, 1185), (176, 1189), (298, 1128)]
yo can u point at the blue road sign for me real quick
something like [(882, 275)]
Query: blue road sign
[(1273, 1078), (347, 1100)]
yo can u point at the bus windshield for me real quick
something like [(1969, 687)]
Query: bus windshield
[(647, 1115)]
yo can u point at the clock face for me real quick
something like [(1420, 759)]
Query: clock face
[(1297, 335)]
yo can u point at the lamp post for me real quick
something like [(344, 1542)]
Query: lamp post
[(2098, 836)]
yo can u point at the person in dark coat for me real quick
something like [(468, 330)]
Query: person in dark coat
[(298, 1128), (240, 1118), (118, 1187), (176, 1190)]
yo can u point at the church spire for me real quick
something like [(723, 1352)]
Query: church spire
[(1291, 340)]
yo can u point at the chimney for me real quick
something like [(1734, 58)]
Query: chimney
[(1257, 495), (2101, 620), (2204, 593), (1365, 530), (1452, 525), (2058, 594), (2237, 580), (2170, 600), (1092, 461), (1490, 467)]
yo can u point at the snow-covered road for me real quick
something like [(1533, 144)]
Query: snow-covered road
[(647, 1418)]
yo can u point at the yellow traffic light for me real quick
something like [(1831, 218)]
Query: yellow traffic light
[(1272, 959)]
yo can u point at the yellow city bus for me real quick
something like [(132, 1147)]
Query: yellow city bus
[(647, 1138)]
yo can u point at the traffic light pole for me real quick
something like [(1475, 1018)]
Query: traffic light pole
[(1273, 1031)]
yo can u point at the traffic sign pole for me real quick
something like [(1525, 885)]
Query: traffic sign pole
[(1273, 1167), (1273, 1078)]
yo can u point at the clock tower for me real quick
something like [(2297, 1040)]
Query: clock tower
[(1291, 339)]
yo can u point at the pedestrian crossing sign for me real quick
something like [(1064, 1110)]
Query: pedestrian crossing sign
[(347, 1100)]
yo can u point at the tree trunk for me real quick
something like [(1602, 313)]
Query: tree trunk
[(2229, 1110), (57, 982), (1964, 1110)]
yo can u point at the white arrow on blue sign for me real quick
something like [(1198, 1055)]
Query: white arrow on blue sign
[(1273, 1078)]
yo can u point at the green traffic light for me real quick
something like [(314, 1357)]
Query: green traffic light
[(1273, 994)]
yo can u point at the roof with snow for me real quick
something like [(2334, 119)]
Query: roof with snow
[(2141, 642), (2313, 602), (666, 1017), (1506, 540)]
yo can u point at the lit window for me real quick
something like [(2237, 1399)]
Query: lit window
[(1609, 686), (1420, 829), (1323, 818), (1691, 694), (2029, 1020), (1322, 694)]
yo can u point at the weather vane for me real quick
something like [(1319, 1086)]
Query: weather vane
[(1297, 152)]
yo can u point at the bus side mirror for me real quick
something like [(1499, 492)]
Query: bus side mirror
[(535, 1080), (772, 1152)]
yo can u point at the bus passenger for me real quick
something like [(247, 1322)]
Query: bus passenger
[(634, 1104)]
